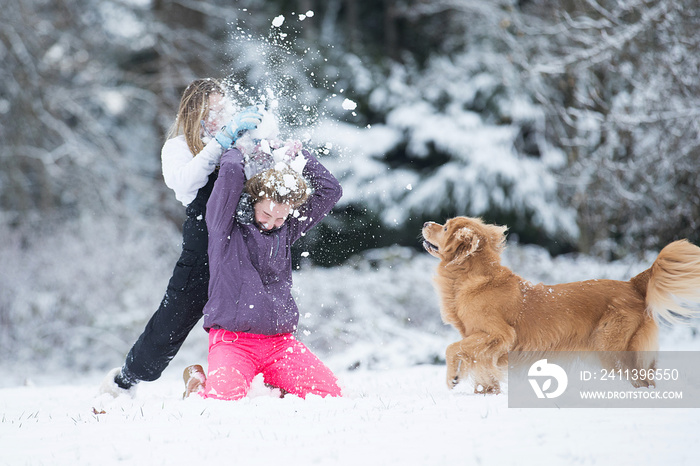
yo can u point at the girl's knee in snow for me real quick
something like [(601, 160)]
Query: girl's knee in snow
[(226, 383)]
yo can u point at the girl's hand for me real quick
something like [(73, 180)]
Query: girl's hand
[(246, 120)]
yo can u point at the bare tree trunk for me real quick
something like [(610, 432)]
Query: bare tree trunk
[(352, 23), (390, 29)]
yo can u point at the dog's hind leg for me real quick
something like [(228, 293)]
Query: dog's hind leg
[(629, 341), (643, 348), (646, 338), (616, 328)]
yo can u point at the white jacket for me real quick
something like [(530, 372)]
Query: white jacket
[(185, 174)]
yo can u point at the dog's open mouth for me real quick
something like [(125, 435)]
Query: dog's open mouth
[(430, 247)]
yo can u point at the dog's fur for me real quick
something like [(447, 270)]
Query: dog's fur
[(496, 311)]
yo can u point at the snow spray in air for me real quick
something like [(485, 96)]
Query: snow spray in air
[(287, 80)]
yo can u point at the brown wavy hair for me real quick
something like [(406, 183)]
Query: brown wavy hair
[(194, 107), (275, 184)]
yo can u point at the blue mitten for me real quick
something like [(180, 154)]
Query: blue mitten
[(249, 118)]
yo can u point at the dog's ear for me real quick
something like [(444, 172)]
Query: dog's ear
[(468, 242)]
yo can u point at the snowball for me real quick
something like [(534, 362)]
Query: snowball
[(349, 104), (308, 14), (283, 190), (298, 164), (265, 146), (290, 182), (267, 129), (277, 22), (279, 155)]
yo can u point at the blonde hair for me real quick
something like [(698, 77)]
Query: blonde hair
[(284, 186), (194, 107)]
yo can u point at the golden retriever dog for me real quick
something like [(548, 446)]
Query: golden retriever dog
[(496, 311)]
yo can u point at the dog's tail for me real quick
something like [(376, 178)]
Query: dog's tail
[(673, 290)]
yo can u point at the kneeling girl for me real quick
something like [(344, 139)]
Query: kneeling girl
[(251, 315)]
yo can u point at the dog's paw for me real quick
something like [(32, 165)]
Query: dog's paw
[(454, 367), (452, 381), (487, 390), (643, 383)]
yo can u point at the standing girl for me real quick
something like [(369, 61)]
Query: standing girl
[(251, 315), (189, 158)]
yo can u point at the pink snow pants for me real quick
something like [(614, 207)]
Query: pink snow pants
[(236, 358)]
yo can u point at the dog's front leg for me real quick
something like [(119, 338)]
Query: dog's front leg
[(457, 366), (479, 355), (463, 357)]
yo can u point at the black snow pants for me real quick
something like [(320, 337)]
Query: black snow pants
[(184, 300)]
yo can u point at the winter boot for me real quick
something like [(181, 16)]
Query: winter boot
[(113, 384), (194, 379)]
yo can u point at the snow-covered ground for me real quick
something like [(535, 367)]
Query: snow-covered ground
[(389, 417), (379, 316)]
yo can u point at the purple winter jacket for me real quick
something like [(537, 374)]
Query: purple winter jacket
[(251, 271)]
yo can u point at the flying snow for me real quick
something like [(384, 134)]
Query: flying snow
[(349, 104), (308, 14), (277, 22)]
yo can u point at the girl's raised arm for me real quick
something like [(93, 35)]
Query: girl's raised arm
[(326, 193), (221, 208)]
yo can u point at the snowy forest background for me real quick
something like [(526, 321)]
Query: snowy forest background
[(573, 122)]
